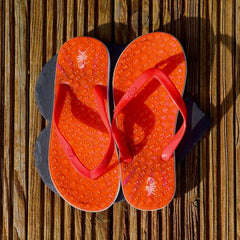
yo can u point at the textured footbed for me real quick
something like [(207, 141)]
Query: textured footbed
[(82, 63), (148, 122)]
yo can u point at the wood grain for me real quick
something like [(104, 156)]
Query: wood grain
[(212, 213), (48, 195), (154, 222), (145, 226), (134, 223), (237, 117), (121, 221), (79, 20), (6, 93), (122, 22), (1, 110), (90, 221), (104, 21), (91, 17), (20, 120), (35, 209), (226, 123), (207, 201), (79, 225), (155, 15), (70, 19), (191, 210), (103, 230), (204, 101)]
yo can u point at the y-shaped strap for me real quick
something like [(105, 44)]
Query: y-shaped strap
[(68, 150), (129, 95)]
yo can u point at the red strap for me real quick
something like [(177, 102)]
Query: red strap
[(71, 155), (129, 95)]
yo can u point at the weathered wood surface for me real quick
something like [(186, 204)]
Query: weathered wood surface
[(207, 201)]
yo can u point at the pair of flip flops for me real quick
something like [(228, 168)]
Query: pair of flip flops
[(148, 82)]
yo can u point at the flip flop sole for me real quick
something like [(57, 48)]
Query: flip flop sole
[(148, 122), (82, 63)]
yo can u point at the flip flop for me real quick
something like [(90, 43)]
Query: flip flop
[(82, 159), (148, 82), (197, 123)]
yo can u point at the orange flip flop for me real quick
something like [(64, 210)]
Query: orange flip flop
[(82, 159), (148, 82)]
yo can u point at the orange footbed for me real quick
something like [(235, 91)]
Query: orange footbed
[(148, 121), (82, 63)]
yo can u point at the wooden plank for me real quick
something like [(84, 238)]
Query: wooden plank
[(70, 19), (20, 121), (166, 15), (229, 98), (122, 22), (34, 183), (191, 200), (61, 34), (155, 15), (48, 214), (90, 225), (191, 230), (48, 195), (68, 226), (145, 225), (120, 220), (103, 230), (146, 14), (135, 17), (177, 8), (8, 78), (133, 222), (237, 117), (79, 222), (104, 21), (209, 154), (80, 17), (2, 64), (57, 228), (50, 29), (226, 123), (90, 16), (164, 223), (155, 233), (212, 225), (177, 218), (204, 102)]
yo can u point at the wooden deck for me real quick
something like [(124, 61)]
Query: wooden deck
[(207, 201)]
